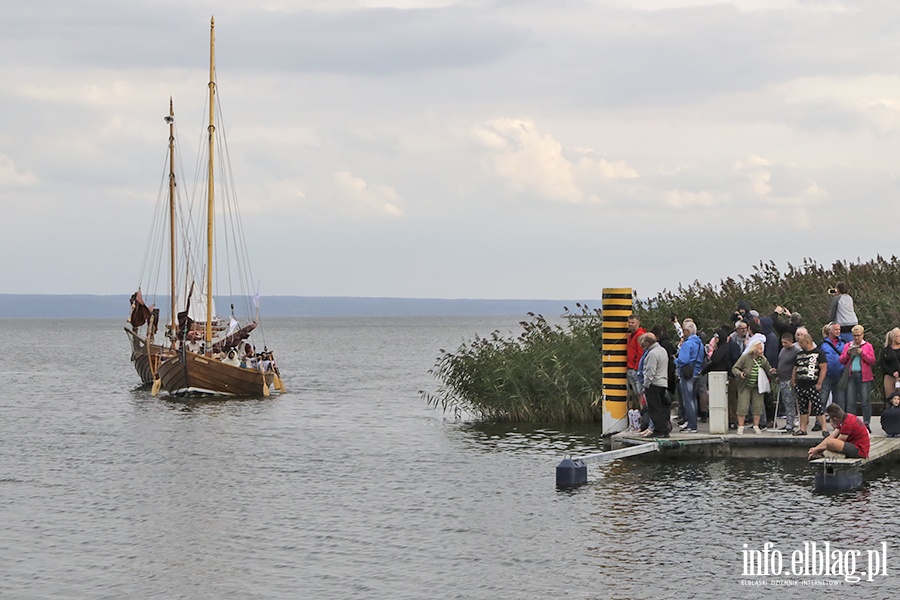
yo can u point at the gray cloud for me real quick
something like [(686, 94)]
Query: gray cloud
[(354, 137)]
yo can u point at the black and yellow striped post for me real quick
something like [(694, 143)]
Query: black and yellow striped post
[(617, 305)]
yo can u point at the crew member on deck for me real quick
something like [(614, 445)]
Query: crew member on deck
[(232, 359)]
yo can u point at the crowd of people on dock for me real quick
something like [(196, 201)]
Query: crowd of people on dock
[(773, 362)]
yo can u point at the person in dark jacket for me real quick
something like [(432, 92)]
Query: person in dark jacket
[(794, 321), (663, 339), (890, 418), (720, 359), (737, 341), (889, 360), (743, 311), (772, 349)]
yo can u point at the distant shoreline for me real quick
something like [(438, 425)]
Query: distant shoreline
[(95, 306)]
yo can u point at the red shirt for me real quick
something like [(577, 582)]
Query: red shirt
[(856, 433), (634, 352)]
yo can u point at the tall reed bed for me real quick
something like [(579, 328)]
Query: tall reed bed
[(549, 373), (874, 286)]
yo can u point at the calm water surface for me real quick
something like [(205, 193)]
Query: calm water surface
[(350, 487)]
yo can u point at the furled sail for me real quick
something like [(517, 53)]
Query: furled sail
[(140, 312), (232, 340)]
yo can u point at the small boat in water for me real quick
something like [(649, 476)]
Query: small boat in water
[(202, 354)]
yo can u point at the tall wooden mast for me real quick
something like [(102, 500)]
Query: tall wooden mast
[(210, 201), (173, 327)]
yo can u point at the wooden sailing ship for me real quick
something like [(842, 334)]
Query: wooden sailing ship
[(204, 355)]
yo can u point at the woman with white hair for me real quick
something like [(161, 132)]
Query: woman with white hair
[(751, 373)]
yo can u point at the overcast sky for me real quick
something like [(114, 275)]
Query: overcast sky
[(475, 149)]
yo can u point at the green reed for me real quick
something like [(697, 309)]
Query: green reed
[(872, 284), (548, 373)]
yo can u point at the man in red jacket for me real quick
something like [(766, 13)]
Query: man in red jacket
[(633, 354), (850, 436)]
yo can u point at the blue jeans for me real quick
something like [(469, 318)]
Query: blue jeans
[(689, 400), (633, 386), (838, 396), (862, 390)]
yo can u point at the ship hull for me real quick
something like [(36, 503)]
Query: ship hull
[(141, 358), (189, 374)]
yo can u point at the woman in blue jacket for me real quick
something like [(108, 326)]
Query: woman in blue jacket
[(688, 365)]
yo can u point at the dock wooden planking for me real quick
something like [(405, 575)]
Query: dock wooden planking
[(879, 448)]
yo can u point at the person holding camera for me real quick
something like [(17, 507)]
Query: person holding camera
[(742, 313), (794, 321), (842, 311)]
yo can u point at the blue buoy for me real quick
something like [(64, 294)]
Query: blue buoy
[(571, 473)]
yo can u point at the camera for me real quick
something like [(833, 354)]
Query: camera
[(832, 291)]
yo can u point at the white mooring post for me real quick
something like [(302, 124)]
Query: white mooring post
[(718, 402)]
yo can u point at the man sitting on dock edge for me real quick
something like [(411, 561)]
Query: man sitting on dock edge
[(849, 438)]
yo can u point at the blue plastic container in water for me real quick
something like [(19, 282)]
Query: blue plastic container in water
[(570, 473)]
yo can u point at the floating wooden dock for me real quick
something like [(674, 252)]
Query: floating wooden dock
[(768, 444), (715, 440), (831, 474), (839, 474)]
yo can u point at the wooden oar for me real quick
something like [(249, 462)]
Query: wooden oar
[(154, 369), (279, 385), (153, 361)]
